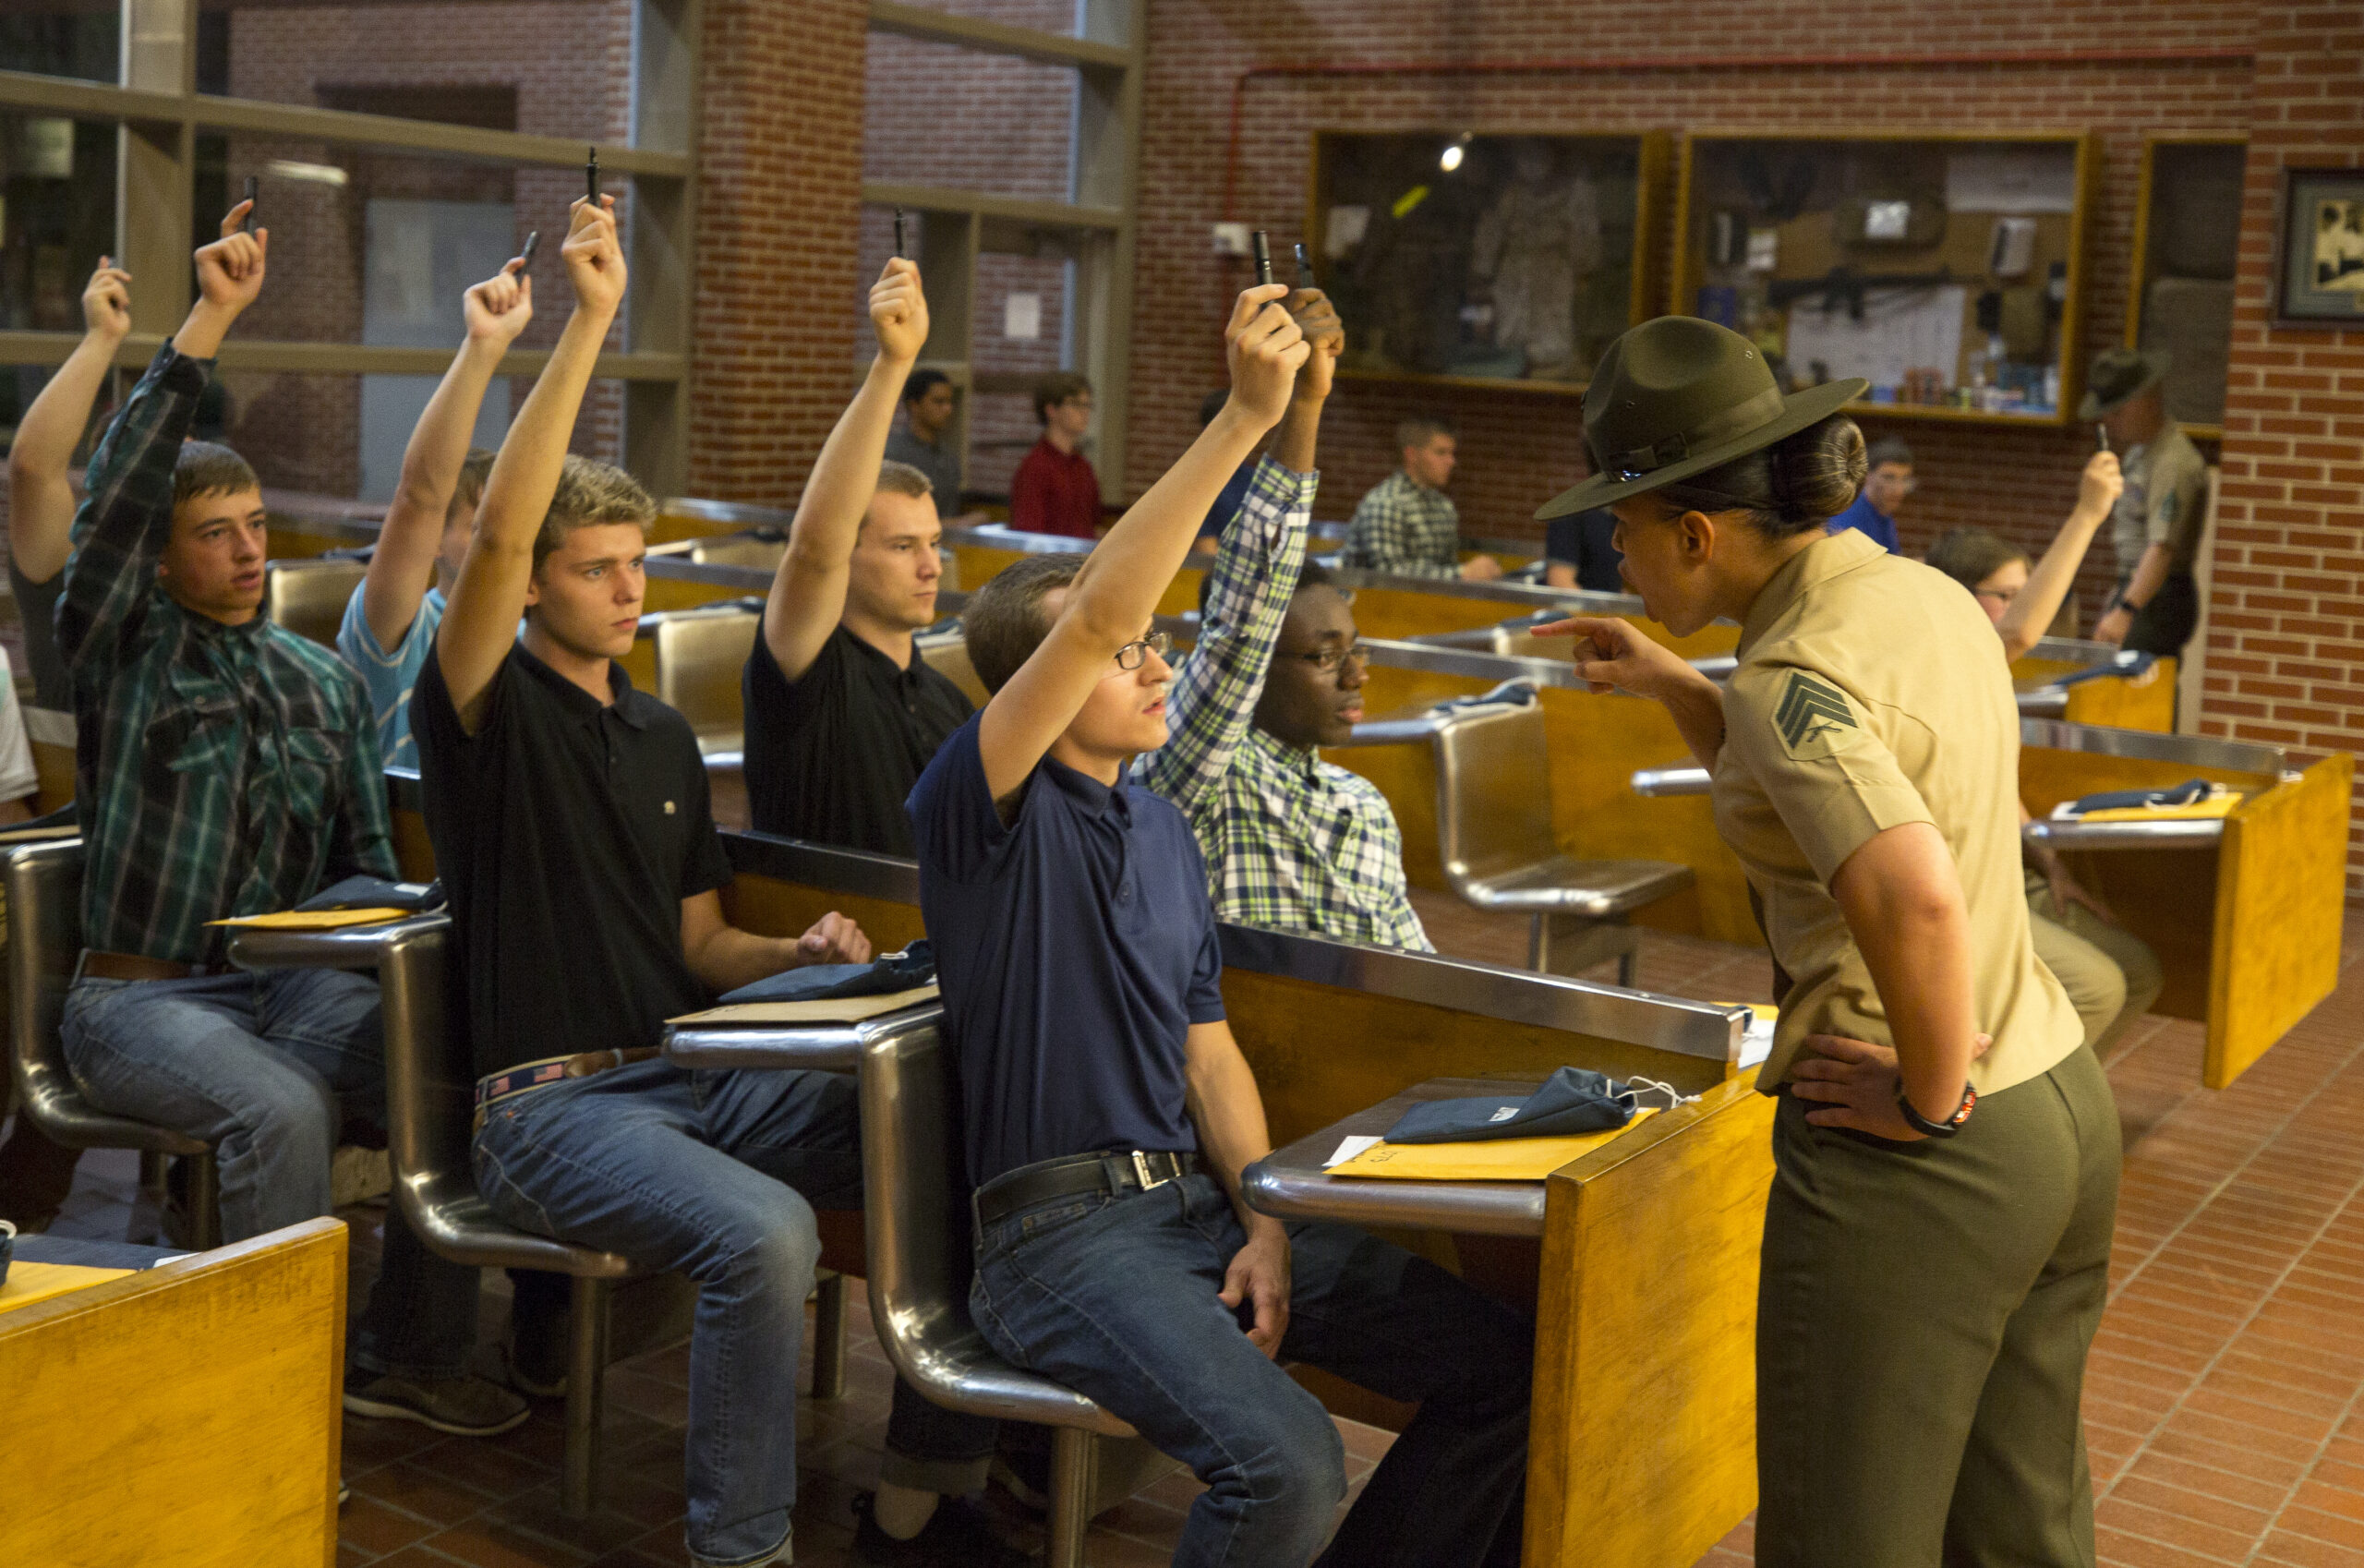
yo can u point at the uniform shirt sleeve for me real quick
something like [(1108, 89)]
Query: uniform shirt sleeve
[(1804, 739), (955, 826)]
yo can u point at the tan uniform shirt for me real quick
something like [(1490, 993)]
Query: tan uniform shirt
[(2166, 495), (1872, 693)]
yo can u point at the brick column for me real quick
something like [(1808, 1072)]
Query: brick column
[(2286, 644), (778, 204)]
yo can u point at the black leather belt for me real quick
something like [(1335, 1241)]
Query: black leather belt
[(1119, 1171)]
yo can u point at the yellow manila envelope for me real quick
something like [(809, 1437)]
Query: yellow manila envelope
[(315, 920), (1497, 1159), (2216, 805), (29, 1282)]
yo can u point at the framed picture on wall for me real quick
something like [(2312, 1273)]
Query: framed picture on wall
[(2322, 248), (1485, 259)]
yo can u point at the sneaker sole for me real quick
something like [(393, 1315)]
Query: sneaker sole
[(356, 1406)]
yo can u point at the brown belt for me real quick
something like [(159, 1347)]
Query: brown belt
[(131, 966)]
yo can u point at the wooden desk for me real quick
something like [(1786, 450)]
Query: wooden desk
[(1643, 1446), (187, 1412), (1291, 1184)]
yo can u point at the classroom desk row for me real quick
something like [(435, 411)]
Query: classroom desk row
[(1641, 1262), (2249, 960)]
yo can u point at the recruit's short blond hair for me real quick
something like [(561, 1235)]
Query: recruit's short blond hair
[(588, 495)]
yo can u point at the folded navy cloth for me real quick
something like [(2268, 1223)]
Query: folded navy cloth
[(1571, 1101), (377, 893), (2191, 792), (915, 965), (2124, 664)]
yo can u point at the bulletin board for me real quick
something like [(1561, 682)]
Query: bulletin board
[(1945, 269), (1484, 258)]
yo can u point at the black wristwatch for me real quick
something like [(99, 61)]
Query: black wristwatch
[(1929, 1128)]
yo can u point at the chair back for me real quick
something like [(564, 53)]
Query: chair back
[(45, 891), (947, 653), (699, 658), (1494, 790), (308, 596), (915, 1209), (739, 549), (430, 1110)]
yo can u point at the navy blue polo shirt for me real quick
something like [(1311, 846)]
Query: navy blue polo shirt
[(1075, 947)]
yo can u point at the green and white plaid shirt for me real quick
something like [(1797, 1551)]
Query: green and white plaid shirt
[(1404, 528), (1290, 840), (221, 770)]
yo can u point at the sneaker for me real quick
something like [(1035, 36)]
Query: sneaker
[(1017, 1474), (958, 1535), (464, 1406)]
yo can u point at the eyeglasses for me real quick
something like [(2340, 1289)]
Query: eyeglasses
[(1328, 659), (2000, 596), (1132, 656)]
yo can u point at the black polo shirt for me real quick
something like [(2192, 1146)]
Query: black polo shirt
[(833, 756), (567, 832)]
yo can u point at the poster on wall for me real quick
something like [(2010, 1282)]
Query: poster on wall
[(2322, 247), (1494, 258)]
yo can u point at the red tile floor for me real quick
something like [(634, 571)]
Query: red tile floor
[(2224, 1404)]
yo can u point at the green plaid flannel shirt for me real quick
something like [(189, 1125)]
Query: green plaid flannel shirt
[(1290, 840), (1403, 528), (221, 770)]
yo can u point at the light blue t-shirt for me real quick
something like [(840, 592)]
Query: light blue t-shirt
[(390, 676)]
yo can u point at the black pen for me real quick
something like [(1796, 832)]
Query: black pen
[(902, 238), (1264, 244), (525, 255), (1304, 267), (591, 176)]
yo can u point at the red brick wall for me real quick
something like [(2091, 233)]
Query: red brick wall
[(2287, 648), (1519, 448), (779, 203)]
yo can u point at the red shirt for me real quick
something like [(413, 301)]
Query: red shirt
[(1054, 492)]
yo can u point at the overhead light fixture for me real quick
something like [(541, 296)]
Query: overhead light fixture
[(1450, 158), (318, 173)]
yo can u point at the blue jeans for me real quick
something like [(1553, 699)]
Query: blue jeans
[(1116, 1298), (268, 1067), (716, 1175)]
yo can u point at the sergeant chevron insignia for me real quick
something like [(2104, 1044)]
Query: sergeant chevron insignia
[(1813, 716)]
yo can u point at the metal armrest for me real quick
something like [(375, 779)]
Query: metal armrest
[(347, 948), (1664, 783), (2188, 833), (826, 1047)]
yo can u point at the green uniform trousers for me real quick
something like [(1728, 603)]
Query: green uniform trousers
[(1922, 1326), (2111, 975)]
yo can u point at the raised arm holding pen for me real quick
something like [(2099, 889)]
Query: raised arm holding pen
[(1113, 598), (416, 532), (808, 592), (41, 498), (481, 623)]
